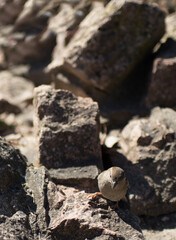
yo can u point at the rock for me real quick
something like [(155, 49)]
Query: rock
[(14, 91), (85, 177), (66, 129), (37, 181), (27, 48), (161, 91), (65, 24), (74, 215), (12, 167), (101, 70), (149, 144), (15, 227), (9, 11), (17, 211)]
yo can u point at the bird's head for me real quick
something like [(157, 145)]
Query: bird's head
[(117, 175)]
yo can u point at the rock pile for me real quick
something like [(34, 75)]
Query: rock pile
[(104, 62)]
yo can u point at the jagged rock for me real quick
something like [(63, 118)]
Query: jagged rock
[(17, 211), (37, 181), (66, 129), (15, 91), (16, 227), (106, 67), (12, 166), (75, 215), (150, 146)]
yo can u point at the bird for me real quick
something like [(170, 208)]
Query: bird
[(113, 184)]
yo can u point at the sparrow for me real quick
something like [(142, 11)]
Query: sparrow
[(113, 184)]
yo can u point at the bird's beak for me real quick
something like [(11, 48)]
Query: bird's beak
[(113, 184)]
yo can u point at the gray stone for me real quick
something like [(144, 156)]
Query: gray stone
[(37, 181), (66, 128), (102, 69), (75, 215), (85, 176), (149, 144), (15, 227)]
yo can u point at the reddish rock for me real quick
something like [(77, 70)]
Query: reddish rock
[(75, 215), (66, 128), (106, 48), (149, 145)]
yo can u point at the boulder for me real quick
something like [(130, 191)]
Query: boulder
[(12, 167), (161, 89), (75, 215), (149, 145), (101, 70), (17, 210), (66, 128)]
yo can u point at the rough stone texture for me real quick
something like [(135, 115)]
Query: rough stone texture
[(108, 66), (150, 146), (12, 166), (75, 216), (66, 129), (17, 211), (16, 227), (37, 181), (85, 177), (14, 91), (162, 87)]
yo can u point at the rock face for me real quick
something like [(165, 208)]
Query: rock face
[(15, 219), (150, 146), (75, 216), (162, 88), (106, 67), (66, 128), (12, 166)]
